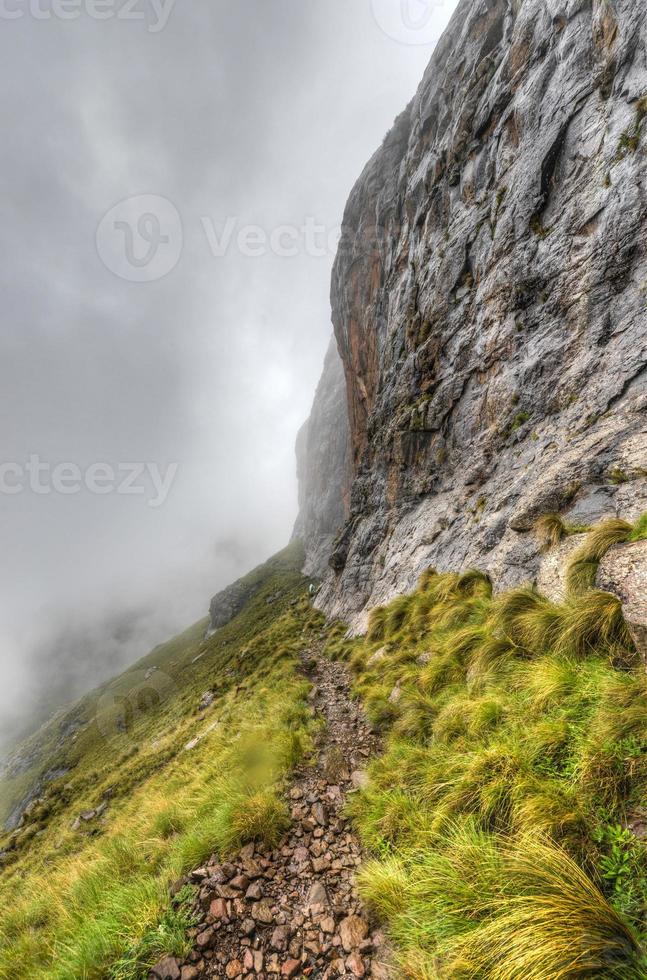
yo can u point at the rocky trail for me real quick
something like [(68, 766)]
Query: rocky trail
[(294, 911)]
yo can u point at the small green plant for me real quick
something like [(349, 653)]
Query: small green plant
[(538, 228), (617, 476), (520, 419), (628, 143), (623, 869)]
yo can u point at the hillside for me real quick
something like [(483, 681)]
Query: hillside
[(412, 745), (146, 777), (210, 809)]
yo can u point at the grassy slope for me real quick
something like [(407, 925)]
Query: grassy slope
[(93, 902), (516, 753)]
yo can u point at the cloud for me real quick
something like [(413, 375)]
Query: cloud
[(260, 112)]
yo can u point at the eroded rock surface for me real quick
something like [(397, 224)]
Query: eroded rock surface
[(623, 571), (489, 299)]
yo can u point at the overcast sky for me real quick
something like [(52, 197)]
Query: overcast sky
[(214, 117)]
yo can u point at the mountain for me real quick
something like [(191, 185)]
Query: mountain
[(441, 769), (488, 302)]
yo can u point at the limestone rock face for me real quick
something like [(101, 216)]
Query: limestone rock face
[(623, 571), (489, 300), (323, 467), (551, 574)]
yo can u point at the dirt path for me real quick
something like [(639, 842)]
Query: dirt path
[(294, 911)]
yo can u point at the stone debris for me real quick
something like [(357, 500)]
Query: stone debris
[(206, 700), (294, 911)]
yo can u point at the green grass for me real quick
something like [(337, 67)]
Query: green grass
[(94, 902), (513, 758), (639, 532), (582, 568)]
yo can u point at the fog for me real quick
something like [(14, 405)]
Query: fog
[(185, 331)]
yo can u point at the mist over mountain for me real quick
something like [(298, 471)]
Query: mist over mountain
[(232, 115)]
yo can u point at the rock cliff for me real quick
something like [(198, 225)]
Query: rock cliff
[(323, 467), (488, 301)]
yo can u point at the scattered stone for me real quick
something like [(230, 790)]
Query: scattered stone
[(204, 938), (275, 913), (290, 968), (355, 964), (280, 938), (206, 700), (255, 891), (359, 779), (189, 973), (167, 969), (320, 813), (396, 694), (377, 657), (353, 930), (317, 894), (218, 909), (262, 913)]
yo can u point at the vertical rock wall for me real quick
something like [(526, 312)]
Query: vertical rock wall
[(489, 302)]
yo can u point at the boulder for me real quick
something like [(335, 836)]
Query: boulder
[(167, 969), (353, 930), (552, 567), (623, 571)]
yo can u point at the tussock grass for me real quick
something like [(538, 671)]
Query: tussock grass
[(549, 529), (377, 624), (517, 745), (583, 566), (592, 621), (474, 583), (553, 923)]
